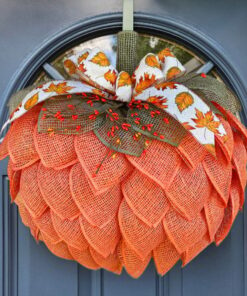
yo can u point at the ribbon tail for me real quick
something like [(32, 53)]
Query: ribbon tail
[(188, 109)]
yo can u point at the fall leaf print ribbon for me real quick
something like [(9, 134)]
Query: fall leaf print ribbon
[(92, 72)]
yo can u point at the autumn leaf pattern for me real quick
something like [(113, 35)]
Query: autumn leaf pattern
[(60, 88), (164, 85), (124, 79), (100, 59), (70, 66), (111, 76), (31, 102), (144, 82), (206, 120), (166, 52), (172, 72), (82, 57), (98, 92), (82, 68), (152, 61), (159, 101), (184, 100)]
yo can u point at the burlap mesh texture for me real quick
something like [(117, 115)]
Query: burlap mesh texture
[(211, 89), (76, 115), (122, 140), (101, 220), (119, 126), (75, 111), (170, 130), (126, 51), (111, 263), (14, 178), (215, 90)]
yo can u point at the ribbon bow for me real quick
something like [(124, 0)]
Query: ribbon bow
[(152, 84)]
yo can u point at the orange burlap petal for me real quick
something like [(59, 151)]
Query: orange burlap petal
[(230, 211), (14, 180), (147, 200), (137, 234), (69, 231), (197, 248), (226, 143), (54, 186), (111, 263), (84, 257), (233, 121), (131, 262), (165, 256), (191, 151), (235, 194), (30, 192), (59, 249), (160, 163), (55, 151), (189, 190), (103, 240), (103, 167), (98, 208), (45, 225), (183, 233), (219, 171), (21, 142), (239, 159), (214, 211), (26, 217), (4, 152)]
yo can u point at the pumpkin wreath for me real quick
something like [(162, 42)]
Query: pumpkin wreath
[(112, 169)]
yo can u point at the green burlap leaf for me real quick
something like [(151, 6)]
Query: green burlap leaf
[(73, 114), (212, 90), (118, 135), (155, 123)]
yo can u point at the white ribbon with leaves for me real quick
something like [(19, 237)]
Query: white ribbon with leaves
[(151, 81)]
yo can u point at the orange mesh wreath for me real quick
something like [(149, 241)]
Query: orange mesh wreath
[(112, 170), (168, 204)]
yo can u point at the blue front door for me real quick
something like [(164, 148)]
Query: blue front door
[(29, 269)]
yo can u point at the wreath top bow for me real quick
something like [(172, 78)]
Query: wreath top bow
[(120, 108)]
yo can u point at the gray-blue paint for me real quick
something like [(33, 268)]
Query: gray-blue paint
[(29, 269)]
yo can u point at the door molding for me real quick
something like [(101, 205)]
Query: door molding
[(9, 238)]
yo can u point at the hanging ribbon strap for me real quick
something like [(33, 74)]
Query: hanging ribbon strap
[(127, 41), (128, 13)]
